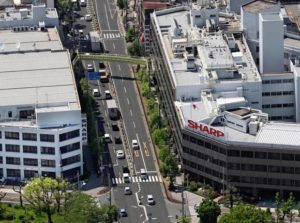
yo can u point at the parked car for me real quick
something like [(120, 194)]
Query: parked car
[(90, 67), (114, 126), (107, 138), (125, 169)]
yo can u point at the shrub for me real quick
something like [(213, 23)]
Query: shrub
[(9, 217), (193, 186), (21, 217)]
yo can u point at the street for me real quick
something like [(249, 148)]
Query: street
[(132, 126)]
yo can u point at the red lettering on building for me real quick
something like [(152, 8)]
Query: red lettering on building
[(204, 128)]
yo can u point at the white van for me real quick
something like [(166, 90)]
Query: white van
[(96, 92), (83, 3)]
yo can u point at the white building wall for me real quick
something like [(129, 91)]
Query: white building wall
[(296, 72), (235, 5), (271, 43)]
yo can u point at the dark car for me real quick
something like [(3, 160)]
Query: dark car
[(123, 212), (125, 169), (115, 126), (118, 140)]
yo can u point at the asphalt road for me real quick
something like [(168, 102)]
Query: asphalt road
[(123, 88), (135, 127)]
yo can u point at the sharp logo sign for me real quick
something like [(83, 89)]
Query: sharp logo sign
[(202, 128)]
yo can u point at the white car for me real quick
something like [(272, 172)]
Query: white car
[(120, 154), (90, 67), (88, 17), (107, 138), (135, 144), (107, 94), (127, 191), (150, 199), (126, 178)]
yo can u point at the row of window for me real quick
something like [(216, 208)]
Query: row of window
[(205, 144), (27, 173), (263, 180), (277, 81), (204, 169), (28, 161), (43, 149), (285, 117), (263, 168), (238, 153), (286, 105), (43, 137), (278, 93)]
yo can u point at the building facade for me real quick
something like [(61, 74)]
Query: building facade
[(40, 113), (212, 94)]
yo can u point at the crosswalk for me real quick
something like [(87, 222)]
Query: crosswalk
[(111, 35), (137, 179)]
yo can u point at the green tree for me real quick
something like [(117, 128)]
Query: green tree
[(163, 168), (184, 219), (43, 193), (244, 213), (108, 213), (164, 152), (208, 211), (134, 49), (278, 210), (131, 35), (172, 167), (160, 136), (287, 207), (121, 4)]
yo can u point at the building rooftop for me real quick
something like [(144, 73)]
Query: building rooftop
[(258, 5), (35, 70)]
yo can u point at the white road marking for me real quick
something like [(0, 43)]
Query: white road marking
[(113, 180), (106, 17), (150, 179), (156, 178), (141, 152), (130, 112), (114, 46), (119, 66), (160, 180), (117, 180), (125, 89), (134, 125), (128, 101), (133, 179), (133, 206), (105, 113)]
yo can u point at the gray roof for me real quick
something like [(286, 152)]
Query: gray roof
[(29, 77)]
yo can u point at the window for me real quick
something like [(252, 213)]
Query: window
[(266, 106), (247, 167), (29, 149), (288, 105), (30, 173), (70, 160), (276, 105), (234, 166), (273, 181), (12, 148), (257, 49), (287, 81), (47, 150), (0, 147), (193, 140), (26, 113), (12, 135), (265, 81), (29, 136), (200, 142), (287, 92), (260, 180), (235, 153), (254, 102), (13, 160), (30, 162), (287, 169), (48, 174), (261, 155), (274, 156), (260, 168), (274, 169), (266, 94), (69, 135), (248, 154), (289, 117), (275, 81), (286, 156), (1, 159), (46, 138), (297, 157), (276, 93), (48, 163), (207, 145), (0, 134), (9, 114), (13, 173), (185, 137), (69, 148)]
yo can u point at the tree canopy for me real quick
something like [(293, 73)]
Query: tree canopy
[(208, 211), (46, 194), (244, 213)]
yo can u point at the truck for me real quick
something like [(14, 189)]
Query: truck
[(112, 109)]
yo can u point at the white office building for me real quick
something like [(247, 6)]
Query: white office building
[(40, 113)]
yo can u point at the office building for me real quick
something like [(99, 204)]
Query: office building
[(212, 94), (40, 113)]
